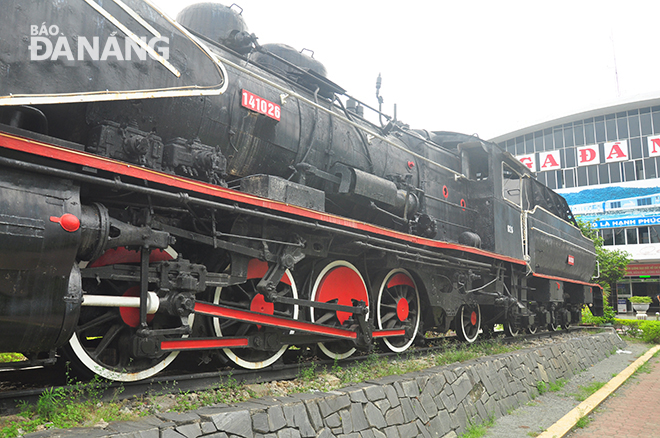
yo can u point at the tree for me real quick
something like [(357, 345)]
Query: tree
[(612, 264)]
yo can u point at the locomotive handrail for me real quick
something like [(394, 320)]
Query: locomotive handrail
[(457, 175)]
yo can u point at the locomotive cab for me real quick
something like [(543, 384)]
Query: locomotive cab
[(494, 189), (520, 217)]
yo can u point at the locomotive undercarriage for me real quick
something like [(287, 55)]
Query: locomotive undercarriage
[(334, 291)]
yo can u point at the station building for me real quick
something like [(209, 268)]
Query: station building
[(606, 163)]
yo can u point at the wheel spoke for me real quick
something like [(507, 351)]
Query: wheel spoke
[(238, 289), (243, 329), (98, 321), (388, 316), (393, 296), (235, 304), (327, 316), (110, 335), (228, 323)]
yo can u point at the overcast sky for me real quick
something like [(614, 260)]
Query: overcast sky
[(485, 67)]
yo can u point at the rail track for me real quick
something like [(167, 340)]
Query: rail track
[(26, 384)]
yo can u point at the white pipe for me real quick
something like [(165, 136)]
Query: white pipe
[(112, 301)]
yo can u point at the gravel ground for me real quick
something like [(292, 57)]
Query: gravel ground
[(536, 416)]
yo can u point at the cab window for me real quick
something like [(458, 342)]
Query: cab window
[(510, 184)]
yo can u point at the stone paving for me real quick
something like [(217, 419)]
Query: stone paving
[(633, 411), (437, 402)]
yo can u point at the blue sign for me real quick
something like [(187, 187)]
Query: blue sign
[(626, 222)]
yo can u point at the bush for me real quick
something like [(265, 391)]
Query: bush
[(647, 331), (629, 326), (589, 319), (650, 331), (640, 300)]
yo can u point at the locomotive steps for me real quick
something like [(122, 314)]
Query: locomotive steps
[(439, 402)]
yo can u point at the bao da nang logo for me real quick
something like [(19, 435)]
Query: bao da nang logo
[(47, 43)]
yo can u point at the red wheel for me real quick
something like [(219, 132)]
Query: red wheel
[(397, 306), (339, 282), (246, 297)]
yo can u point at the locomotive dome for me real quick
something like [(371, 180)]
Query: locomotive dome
[(222, 24), (214, 21), (290, 54)]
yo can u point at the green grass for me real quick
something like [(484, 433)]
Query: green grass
[(478, 430), (80, 404), (582, 422), (541, 387), (73, 406), (12, 357), (584, 392), (229, 391), (558, 385), (544, 387), (310, 378), (462, 353)]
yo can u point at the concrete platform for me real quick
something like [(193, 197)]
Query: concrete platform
[(631, 413)]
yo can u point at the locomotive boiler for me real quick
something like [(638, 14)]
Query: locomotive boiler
[(173, 186)]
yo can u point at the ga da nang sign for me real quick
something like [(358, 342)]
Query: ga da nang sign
[(587, 155)]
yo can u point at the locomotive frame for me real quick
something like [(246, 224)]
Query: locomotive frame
[(124, 247)]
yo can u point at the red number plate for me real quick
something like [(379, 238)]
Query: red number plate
[(255, 103), (571, 260)]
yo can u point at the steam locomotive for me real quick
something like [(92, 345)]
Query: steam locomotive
[(174, 186)]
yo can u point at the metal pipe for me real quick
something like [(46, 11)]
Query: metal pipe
[(153, 302)]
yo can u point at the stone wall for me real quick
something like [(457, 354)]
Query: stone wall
[(437, 402)]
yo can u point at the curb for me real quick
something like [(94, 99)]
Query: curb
[(568, 421)]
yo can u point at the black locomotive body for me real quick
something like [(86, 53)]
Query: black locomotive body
[(193, 190)]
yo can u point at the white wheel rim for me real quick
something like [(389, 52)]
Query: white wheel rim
[(245, 363), (383, 285), (478, 325), (99, 369), (109, 374), (511, 330)]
